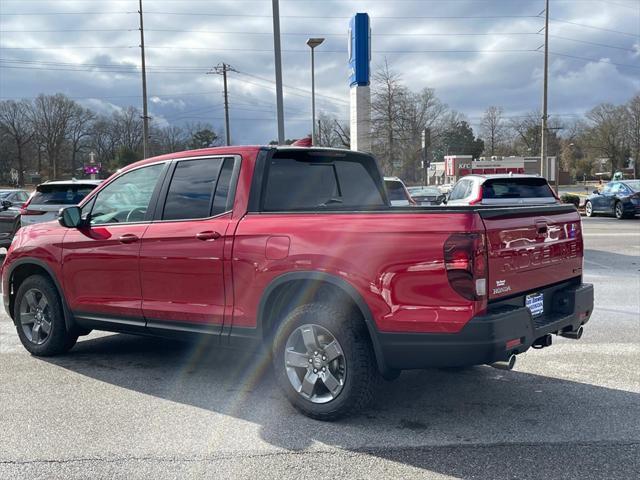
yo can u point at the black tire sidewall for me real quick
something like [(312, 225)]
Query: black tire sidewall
[(59, 340), (359, 360)]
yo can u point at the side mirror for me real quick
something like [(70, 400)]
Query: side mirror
[(70, 217), (6, 205), (442, 199), (596, 192)]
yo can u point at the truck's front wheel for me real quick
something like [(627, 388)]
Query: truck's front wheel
[(324, 362), (40, 319)]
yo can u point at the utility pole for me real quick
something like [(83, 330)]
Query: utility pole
[(222, 69), (278, 66), (543, 146), (145, 112), (426, 154)]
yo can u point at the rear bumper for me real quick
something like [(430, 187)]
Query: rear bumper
[(484, 338)]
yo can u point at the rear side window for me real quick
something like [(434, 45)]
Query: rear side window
[(198, 189), (395, 190), (322, 181), (516, 188), (60, 194)]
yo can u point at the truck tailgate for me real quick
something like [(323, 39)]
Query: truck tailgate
[(531, 247)]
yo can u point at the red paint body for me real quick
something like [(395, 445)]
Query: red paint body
[(394, 260)]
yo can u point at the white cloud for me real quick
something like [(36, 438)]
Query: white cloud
[(182, 48)]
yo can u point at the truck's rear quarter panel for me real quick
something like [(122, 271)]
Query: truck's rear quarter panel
[(393, 259)]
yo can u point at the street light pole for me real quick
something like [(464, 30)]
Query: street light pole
[(313, 43), (278, 67)]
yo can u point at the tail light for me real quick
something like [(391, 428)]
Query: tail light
[(465, 259), (25, 211)]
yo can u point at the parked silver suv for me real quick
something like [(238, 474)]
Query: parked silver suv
[(50, 197)]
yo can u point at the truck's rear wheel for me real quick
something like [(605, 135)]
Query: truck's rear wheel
[(324, 362), (39, 318)]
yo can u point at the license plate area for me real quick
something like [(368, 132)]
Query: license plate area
[(535, 303)]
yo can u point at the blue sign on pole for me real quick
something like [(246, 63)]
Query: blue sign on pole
[(359, 49)]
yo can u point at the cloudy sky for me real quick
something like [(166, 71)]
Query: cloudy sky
[(475, 53)]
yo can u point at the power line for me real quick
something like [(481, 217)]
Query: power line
[(584, 25), (245, 15)]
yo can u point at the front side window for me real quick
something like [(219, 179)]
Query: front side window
[(127, 198)]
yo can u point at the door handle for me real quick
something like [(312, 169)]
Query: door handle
[(128, 238), (208, 235)]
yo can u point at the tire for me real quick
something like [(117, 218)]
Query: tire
[(37, 309), (351, 368), (588, 209), (618, 211)]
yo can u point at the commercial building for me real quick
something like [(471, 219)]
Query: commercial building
[(456, 166)]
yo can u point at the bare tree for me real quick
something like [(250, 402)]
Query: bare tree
[(127, 128), (168, 139), (331, 133), (51, 117), (606, 134), (80, 128), (15, 123), (386, 112), (493, 130), (633, 122), (102, 139)]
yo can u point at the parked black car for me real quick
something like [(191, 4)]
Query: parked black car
[(426, 195), (621, 199), (11, 201)]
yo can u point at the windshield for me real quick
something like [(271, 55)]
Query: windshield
[(395, 190), (65, 194), (528, 187), (425, 192), (633, 185), (4, 194)]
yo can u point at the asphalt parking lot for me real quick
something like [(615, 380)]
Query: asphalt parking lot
[(119, 406)]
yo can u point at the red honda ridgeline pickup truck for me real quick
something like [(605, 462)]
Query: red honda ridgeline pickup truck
[(298, 249)]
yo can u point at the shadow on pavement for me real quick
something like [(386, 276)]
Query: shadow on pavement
[(448, 422)]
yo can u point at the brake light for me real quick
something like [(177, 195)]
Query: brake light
[(24, 211), (465, 259)]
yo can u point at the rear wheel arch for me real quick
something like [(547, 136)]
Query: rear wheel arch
[(294, 289), (26, 268)]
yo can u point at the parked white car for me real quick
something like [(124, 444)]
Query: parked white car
[(502, 189), (48, 198)]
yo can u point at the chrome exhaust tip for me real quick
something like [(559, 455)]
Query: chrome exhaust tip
[(543, 342), (507, 364), (573, 334)]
